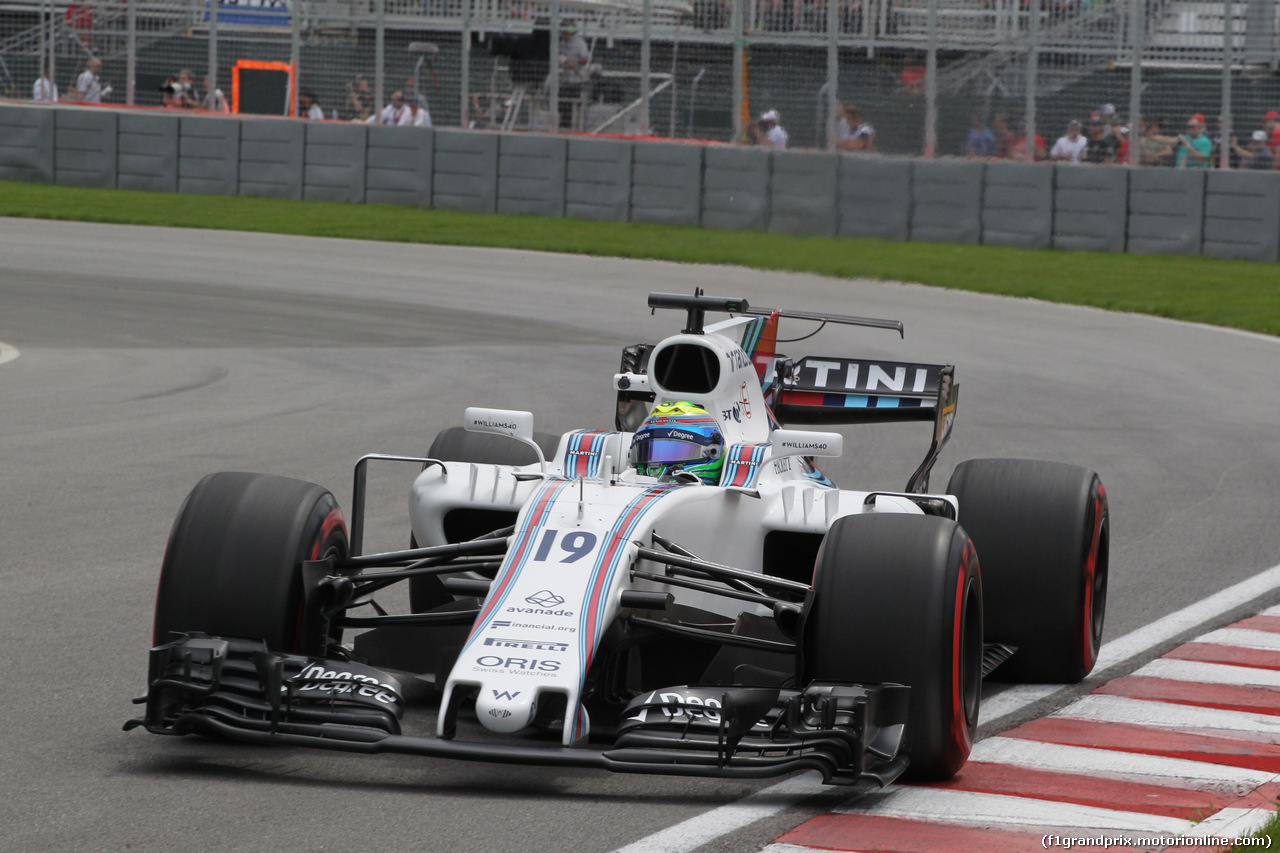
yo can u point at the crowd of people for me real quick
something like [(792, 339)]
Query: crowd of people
[(1104, 138)]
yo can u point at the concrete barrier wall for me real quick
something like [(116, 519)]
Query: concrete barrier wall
[(802, 192), (531, 175), (466, 171), (1090, 208), (26, 144), (272, 157), (208, 155), (666, 184), (1166, 211), (334, 166), (147, 152), (1017, 205), (598, 179), (1110, 208), (84, 148), (946, 201), (735, 189), (1242, 215), (874, 197), (399, 165)]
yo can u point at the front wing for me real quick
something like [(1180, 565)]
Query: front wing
[(238, 689)]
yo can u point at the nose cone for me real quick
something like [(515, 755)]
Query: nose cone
[(506, 711)]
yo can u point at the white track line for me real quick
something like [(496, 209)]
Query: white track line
[(1199, 672), (1167, 715), (699, 830), (1147, 769), (7, 352), (969, 807), (1266, 641)]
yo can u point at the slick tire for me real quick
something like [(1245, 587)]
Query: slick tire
[(898, 599), (1042, 530), (456, 444), (233, 566)]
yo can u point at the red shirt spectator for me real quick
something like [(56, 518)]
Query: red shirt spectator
[(1271, 124)]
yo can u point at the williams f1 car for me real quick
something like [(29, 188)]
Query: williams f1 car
[(686, 593)]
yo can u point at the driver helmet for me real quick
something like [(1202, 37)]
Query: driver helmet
[(679, 437)]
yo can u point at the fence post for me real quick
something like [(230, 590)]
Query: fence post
[(645, 57), (833, 70), (1033, 71), (295, 53), (379, 58), (554, 93), (739, 71), (931, 84), (1137, 29), (1225, 123), (211, 100), (131, 48), (464, 112)]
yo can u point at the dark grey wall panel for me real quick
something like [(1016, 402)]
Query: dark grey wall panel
[(802, 190), (531, 174), (735, 188), (84, 152), (466, 171), (875, 197), (399, 165), (666, 183), (1166, 211), (335, 161), (1242, 215), (26, 144), (598, 179), (147, 152), (1017, 205), (271, 158), (209, 155), (1090, 208), (946, 201)]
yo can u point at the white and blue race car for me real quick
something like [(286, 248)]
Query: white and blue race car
[(686, 593)]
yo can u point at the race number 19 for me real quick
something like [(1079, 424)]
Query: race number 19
[(576, 544)]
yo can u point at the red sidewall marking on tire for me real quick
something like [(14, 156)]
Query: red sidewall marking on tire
[(960, 733), (1090, 570)]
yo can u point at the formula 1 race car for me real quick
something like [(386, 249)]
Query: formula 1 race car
[(686, 593)]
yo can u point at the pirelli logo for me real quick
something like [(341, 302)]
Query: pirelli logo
[(527, 645)]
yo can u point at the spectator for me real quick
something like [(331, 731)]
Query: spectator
[(1106, 116), (44, 89), (214, 100), (852, 133), (1005, 140), (575, 71), (89, 85), (1020, 150), (1194, 147), (394, 114), (178, 92), (769, 132), (980, 142), (308, 107), (1258, 154), (1122, 150), (1070, 146), (418, 115), (1271, 124), (1154, 149), (913, 77), (359, 99), (1100, 149)]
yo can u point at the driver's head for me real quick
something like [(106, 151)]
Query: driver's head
[(679, 437)]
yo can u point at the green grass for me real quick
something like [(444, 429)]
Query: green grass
[(1241, 294)]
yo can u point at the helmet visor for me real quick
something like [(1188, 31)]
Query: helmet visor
[(667, 451)]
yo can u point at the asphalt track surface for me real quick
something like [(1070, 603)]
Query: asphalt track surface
[(150, 357)]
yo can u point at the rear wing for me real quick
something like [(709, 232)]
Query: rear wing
[(817, 390)]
